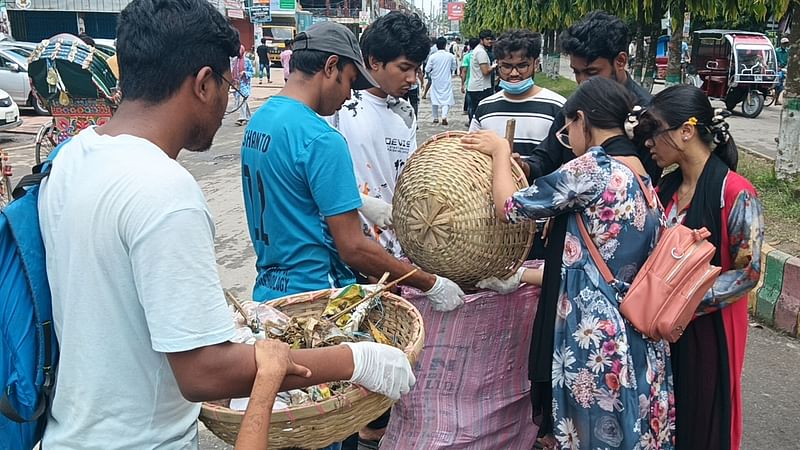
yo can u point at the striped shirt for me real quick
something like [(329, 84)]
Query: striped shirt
[(534, 116)]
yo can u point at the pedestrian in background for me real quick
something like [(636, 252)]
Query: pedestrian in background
[(286, 59), (458, 51), (242, 72), (441, 66), (480, 71), (782, 55), (263, 61), (682, 128), (465, 73)]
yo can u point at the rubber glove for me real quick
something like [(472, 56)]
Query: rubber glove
[(504, 287), (381, 368), (445, 295), (376, 211)]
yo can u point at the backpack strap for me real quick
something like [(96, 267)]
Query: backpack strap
[(38, 173)]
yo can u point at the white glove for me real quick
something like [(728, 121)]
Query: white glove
[(445, 295), (503, 286), (381, 368), (376, 211)]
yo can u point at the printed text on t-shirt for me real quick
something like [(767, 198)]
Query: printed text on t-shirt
[(254, 191), (256, 140)]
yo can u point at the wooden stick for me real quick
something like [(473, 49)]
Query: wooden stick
[(252, 323), (372, 295), (511, 128)]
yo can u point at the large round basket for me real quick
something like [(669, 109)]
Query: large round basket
[(444, 215), (318, 425)]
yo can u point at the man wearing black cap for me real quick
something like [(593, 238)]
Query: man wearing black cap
[(300, 191)]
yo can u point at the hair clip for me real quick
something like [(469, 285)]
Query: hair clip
[(692, 121)]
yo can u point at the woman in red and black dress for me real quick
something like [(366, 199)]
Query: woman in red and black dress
[(682, 128)]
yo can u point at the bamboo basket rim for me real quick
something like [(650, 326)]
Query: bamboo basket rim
[(219, 411)]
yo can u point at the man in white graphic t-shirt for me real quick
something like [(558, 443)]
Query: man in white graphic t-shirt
[(378, 124)]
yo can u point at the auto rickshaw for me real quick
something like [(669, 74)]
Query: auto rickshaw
[(735, 67), (75, 83)]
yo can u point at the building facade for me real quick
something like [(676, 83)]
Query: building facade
[(33, 21)]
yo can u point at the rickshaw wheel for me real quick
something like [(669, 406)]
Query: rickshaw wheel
[(45, 142), (752, 104)]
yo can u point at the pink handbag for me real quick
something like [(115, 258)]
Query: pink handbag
[(669, 287)]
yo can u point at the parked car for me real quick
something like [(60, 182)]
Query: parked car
[(30, 46), (14, 76), (9, 112)]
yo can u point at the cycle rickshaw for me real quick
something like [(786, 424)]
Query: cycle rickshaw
[(76, 84)]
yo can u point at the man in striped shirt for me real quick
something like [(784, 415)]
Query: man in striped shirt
[(533, 107)]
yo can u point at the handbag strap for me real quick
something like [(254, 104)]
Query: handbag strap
[(594, 253), (648, 195)]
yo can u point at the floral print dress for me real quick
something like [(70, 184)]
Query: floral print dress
[(612, 387)]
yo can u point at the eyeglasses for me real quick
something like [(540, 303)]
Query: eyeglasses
[(240, 98), (506, 69), (562, 135), (656, 134)]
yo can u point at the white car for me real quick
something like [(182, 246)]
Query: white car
[(14, 76), (9, 112)]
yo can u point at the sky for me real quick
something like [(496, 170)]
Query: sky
[(437, 5)]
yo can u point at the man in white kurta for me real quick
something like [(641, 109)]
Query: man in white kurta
[(441, 66)]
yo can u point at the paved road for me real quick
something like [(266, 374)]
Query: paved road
[(772, 367)]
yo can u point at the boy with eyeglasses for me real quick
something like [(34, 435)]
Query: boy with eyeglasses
[(533, 107)]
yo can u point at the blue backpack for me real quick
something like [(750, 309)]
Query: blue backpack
[(28, 349)]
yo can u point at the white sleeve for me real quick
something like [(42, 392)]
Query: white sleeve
[(175, 272)]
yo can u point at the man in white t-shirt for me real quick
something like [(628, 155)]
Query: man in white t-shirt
[(480, 71), (378, 124), (138, 309)]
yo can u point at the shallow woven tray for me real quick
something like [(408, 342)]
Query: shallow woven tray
[(444, 215), (318, 425)]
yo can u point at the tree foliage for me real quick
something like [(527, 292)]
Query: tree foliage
[(500, 15)]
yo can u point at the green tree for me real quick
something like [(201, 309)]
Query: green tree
[(787, 162)]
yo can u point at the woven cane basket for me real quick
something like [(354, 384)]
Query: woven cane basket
[(320, 424), (444, 215)]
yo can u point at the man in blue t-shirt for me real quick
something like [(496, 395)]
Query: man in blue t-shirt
[(300, 191)]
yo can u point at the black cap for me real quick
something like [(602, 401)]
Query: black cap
[(332, 37)]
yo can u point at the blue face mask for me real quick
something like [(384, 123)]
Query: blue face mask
[(520, 87)]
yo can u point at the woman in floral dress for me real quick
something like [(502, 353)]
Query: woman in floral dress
[(612, 387), (705, 191)]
